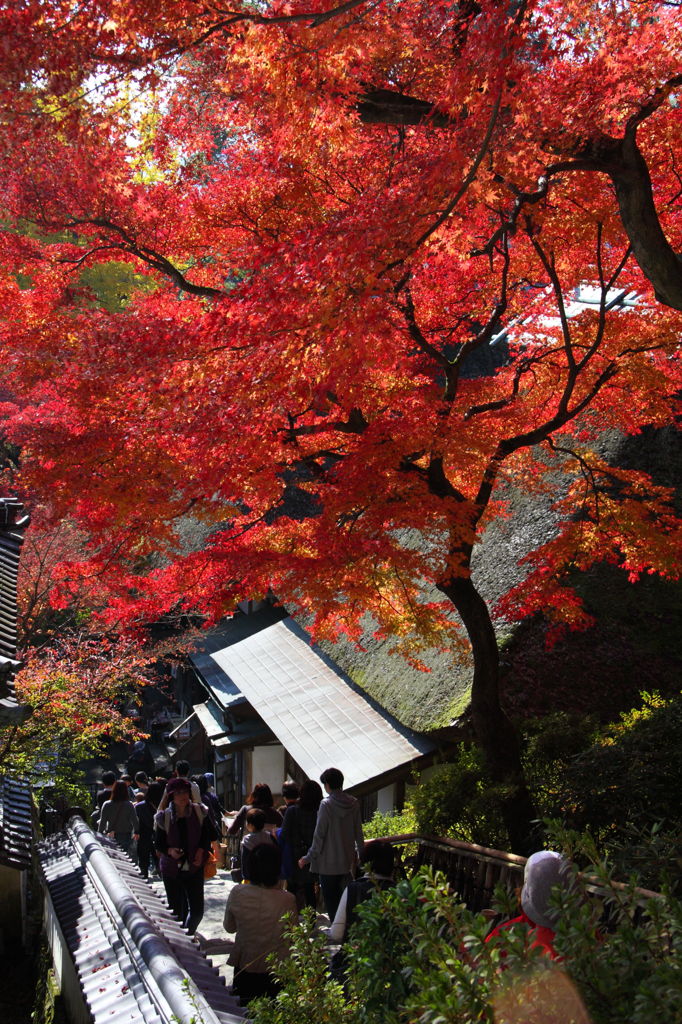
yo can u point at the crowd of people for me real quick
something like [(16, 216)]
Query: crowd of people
[(312, 844), (168, 827)]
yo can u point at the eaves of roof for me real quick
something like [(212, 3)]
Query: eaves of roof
[(12, 525), (228, 632), (314, 709), (16, 823)]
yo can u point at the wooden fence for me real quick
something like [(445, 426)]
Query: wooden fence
[(473, 872)]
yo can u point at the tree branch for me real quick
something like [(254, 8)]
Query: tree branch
[(145, 253), (461, 191)]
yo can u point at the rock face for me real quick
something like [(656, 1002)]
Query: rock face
[(635, 645)]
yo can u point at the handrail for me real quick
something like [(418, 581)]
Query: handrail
[(514, 859), (473, 871)]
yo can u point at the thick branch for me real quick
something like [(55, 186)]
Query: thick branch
[(624, 163), (148, 255), (355, 424), (383, 106), (314, 18), (461, 191), (632, 182)]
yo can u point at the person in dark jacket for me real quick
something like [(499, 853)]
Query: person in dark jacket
[(108, 780), (290, 793), (146, 809), (378, 861), (260, 797), (255, 835), (295, 838), (337, 840), (182, 837), (209, 799)]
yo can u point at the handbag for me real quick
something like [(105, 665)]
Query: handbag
[(210, 865)]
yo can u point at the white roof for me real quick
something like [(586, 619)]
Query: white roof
[(318, 715), (210, 718)]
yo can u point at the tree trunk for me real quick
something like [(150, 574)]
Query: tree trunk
[(634, 191), (493, 729)]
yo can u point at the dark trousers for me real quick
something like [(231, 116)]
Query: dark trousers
[(185, 895), (127, 842), (332, 887), (145, 855), (304, 890), (251, 985)]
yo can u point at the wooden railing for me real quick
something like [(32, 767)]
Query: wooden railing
[(473, 871)]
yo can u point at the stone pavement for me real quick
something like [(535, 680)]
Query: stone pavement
[(212, 937)]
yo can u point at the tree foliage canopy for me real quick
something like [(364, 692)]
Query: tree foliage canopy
[(337, 209)]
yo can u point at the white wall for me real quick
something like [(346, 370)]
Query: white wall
[(267, 765), (386, 799)]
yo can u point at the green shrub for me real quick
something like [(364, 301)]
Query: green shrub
[(391, 824), (308, 996), (416, 954), (633, 771), (459, 800), (549, 745), (623, 786)]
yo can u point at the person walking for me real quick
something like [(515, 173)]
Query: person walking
[(146, 809), (182, 772), (182, 838), (290, 795), (378, 862), (141, 784), (104, 794), (259, 913), (260, 797), (255, 834), (118, 818), (337, 841), (295, 837)]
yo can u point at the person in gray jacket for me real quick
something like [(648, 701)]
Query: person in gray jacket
[(337, 840), (118, 818), (255, 835)]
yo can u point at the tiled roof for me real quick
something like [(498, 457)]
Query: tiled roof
[(12, 525), (211, 719), (132, 957), (16, 823), (231, 631), (245, 734), (317, 713)]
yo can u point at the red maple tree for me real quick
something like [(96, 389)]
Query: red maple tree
[(339, 209)]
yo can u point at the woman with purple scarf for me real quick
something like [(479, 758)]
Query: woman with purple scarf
[(182, 838)]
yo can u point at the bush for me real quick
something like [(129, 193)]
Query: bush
[(308, 996), (381, 825), (416, 954), (621, 782), (459, 800), (633, 771)]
